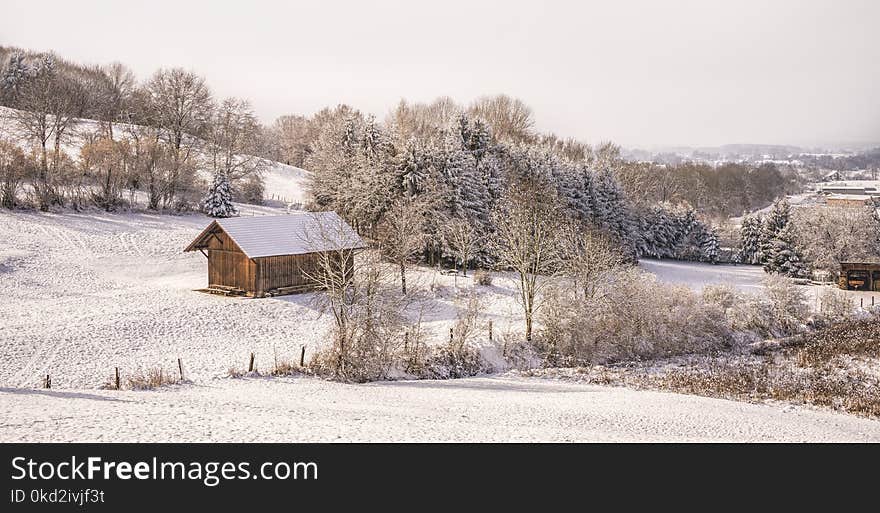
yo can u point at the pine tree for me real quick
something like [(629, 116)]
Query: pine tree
[(750, 235), (710, 246), (218, 201), (13, 76), (773, 223), (783, 257)]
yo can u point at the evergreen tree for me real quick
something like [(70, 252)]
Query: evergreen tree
[(13, 77), (773, 223), (783, 256), (218, 201), (710, 246), (750, 235)]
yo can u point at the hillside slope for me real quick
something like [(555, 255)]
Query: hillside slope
[(284, 184)]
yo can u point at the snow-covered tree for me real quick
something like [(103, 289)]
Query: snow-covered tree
[(13, 76), (783, 257), (773, 223), (218, 201), (710, 246), (750, 234)]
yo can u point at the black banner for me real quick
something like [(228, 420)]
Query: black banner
[(118, 477)]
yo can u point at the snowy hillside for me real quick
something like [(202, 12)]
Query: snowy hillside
[(86, 293), (284, 184)]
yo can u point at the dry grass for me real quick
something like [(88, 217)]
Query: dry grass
[(150, 379), (837, 367)]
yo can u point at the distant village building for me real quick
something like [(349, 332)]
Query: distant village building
[(850, 200), (860, 276), (272, 255), (832, 176)]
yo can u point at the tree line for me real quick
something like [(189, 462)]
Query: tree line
[(149, 137)]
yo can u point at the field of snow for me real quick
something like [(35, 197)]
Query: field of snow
[(85, 293), (746, 278), (696, 275), (475, 409)]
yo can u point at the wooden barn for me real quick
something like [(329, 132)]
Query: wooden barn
[(860, 276), (271, 255)]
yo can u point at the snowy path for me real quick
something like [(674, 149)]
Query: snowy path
[(475, 409)]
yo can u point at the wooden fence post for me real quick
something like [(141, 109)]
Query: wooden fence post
[(451, 337), (117, 378), (302, 356), (251, 364), (406, 341), (180, 368), (490, 330), (48, 383), (861, 302)]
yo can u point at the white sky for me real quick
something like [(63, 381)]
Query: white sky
[(640, 73)]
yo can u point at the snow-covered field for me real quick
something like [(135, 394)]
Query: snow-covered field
[(746, 278), (696, 275), (86, 293), (474, 409)]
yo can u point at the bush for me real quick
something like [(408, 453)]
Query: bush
[(482, 277), (454, 361), (633, 317), (835, 306)]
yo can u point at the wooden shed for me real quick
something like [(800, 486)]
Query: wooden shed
[(272, 255), (860, 276)]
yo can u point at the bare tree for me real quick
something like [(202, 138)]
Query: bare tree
[(831, 235), (181, 106), (526, 241), (369, 322), (511, 119), (401, 234), (463, 239), (294, 136), (13, 170), (121, 85), (48, 106), (586, 255), (234, 136)]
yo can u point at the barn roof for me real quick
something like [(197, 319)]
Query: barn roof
[(291, 234)]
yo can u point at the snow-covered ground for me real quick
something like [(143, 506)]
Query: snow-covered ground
[(746, 278), (86, 293), (474, 409), (696, 275)]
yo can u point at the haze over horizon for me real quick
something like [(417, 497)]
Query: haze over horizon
[(640, 73)]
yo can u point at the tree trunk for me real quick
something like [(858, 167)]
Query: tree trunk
[(403, 277)]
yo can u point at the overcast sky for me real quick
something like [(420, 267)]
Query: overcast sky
[(640, 73)]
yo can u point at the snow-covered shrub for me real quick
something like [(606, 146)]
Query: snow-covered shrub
[(454, 361), (835, 305), (482, 277), (788, 303), (723, 295), (633, 317), (369, 317)]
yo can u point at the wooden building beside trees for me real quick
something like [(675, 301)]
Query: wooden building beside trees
[(272, 255), (860, 276)]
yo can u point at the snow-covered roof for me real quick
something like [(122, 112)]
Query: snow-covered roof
[(291, 234)]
